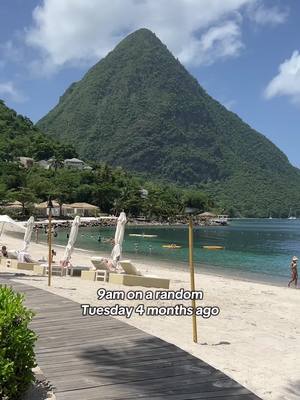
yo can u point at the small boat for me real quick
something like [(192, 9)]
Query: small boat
[(290, 215), (213, 247), (142, 235), (220, 220), (171, 246)]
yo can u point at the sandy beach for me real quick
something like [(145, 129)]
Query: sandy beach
[(255, 339)]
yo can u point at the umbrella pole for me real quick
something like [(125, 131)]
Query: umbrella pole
[(2, 228), (49, 247), (192, 274)]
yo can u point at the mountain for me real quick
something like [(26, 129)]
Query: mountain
[(139, 108), (20, 138)]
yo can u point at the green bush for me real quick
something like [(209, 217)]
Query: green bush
[(16, 345)]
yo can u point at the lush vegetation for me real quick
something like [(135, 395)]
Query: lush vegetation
[(16, 345), (111, 189), (20, 138), (140, 109)]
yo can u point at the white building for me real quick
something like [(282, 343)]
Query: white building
[(27, 162), (74, 163)]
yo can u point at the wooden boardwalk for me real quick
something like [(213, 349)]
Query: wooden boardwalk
[(101, 358)]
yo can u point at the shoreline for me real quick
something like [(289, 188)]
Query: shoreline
[(181, 266)]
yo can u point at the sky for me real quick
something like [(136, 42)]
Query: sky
[(245, 53)]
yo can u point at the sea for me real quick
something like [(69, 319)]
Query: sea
[(253, 249)]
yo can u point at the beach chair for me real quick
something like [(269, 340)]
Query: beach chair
[(77, 270), (56, 269), (129, 268), (100, 270), (9, 262), (16, 264), (133, 277)]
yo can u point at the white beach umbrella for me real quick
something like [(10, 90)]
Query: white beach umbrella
[(119, 236), (23, 255), (28, 234), (7, 223), (72, 240)]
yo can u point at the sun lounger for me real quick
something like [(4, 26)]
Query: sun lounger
[(133, 277), (15, 264), (101, 263), (129, 268), (70, 270), (98, 275), (9, 262), (77, 270), (56, 269), (139, 280), (100, 272)]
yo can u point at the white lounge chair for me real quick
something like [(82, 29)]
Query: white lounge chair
[(129, 268), (133, 277), (100, 271)]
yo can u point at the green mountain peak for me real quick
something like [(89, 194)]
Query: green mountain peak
[(139, 108)]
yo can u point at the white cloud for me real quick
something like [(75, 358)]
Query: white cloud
[(287, 82), (229, 104), (8, 89), (268, 15), (76, 31), (218, 42), (10, 52)]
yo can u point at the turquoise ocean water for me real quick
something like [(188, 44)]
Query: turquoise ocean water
[(255, 249)]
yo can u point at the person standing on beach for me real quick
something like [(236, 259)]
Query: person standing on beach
[(4, 252), (294, 272)]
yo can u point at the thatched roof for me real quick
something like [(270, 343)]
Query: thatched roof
[(15, 204), (85, 206), (207, 215), (45, 204)]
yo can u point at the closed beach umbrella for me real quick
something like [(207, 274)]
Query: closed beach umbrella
[(7, 223), (119, 236), (22, 254), (28, 234), (71, 242)]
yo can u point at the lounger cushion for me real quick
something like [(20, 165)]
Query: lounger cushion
[(136, 280), (129, 268)]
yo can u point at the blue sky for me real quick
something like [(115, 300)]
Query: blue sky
[(243, 52)]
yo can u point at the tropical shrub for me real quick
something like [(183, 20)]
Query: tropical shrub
[(16, 345)]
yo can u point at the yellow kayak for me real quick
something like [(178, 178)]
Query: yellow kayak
[(171, 246), (213, 247)]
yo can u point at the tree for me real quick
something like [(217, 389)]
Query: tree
[(195, 199), (25, 196)]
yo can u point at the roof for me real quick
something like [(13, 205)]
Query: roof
[(15, 204), (76, 160), (26, 158), (45, 204), (207, 215), (86, 206)]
